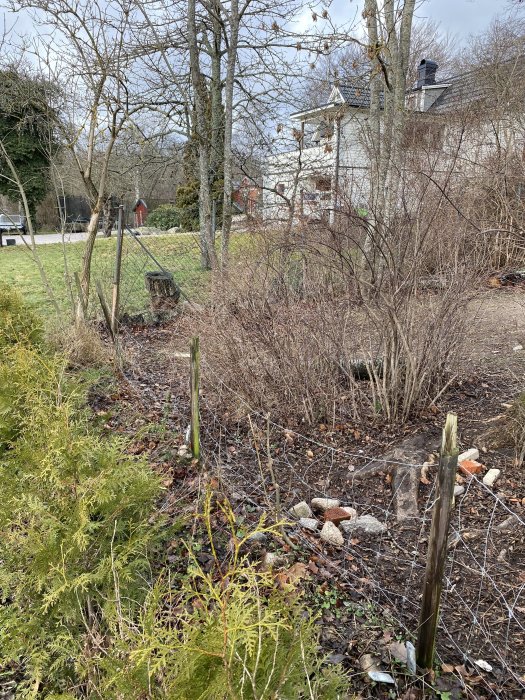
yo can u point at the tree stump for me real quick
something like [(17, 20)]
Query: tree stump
[(164, 293)]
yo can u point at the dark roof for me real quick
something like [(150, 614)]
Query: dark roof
[(462, 90), (139, 203), (357, 94), (493, 85)]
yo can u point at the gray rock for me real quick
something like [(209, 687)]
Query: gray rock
[(323, 504), (406, 489), (309, 524), (301, 510), (332, 535), (272, 559), (458, 490), (364, 522), (257, 538)]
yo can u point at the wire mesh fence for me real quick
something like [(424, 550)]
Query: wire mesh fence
[(482, 623), (178, 254)]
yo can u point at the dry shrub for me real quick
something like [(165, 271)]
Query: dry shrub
[(81, 344), (509, 431), (344, 323)]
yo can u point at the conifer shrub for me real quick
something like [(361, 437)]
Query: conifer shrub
[(84, 612), (76, 533), (18, 324), (187, 202), (229, 632), (165, 216)]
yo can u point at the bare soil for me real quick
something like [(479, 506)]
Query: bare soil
[(369, 590)]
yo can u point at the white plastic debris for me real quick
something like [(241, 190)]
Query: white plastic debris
[(380, 677), (411, 657), (483, 665)]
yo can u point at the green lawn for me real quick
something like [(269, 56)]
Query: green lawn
[(177, 253)]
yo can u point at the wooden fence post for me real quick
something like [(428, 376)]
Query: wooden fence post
[(116, 277), (105, 308), (195, 435), (437, 545)]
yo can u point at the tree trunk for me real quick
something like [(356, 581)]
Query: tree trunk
[(164, 293), (92, 229), (228, 129), (208, 256), (110, 217)]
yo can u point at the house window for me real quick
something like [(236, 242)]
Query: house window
[(279, 188), (323, 184)]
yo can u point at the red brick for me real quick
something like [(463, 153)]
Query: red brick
[(469, 467), (336, 515)]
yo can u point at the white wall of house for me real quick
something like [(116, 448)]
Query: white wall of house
[(308, 178)]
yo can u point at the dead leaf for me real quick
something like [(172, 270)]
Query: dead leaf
[(291, 576), (424, 474), (313, 567), (447, 668)]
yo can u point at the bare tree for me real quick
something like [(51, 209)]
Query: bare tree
[(84, 47)]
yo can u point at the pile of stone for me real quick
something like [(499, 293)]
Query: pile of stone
[(333, 521), (468, 466)]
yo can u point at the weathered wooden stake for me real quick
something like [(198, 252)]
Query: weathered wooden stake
[(437, 545), (105, 307), (116, 276), (195, 435)]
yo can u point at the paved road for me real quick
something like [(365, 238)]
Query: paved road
[(46, 238)]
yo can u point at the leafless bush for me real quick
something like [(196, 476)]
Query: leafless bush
[(509, 430), (348, 321)]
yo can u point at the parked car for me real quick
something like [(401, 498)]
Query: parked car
[(12, 223)]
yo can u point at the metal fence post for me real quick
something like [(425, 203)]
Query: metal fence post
[(195, 436), (116, 276)]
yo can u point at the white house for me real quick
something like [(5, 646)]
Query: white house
[(330, 157), (331, 161)]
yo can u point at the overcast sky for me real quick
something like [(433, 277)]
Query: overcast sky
[(460, 17), (463, 17)]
